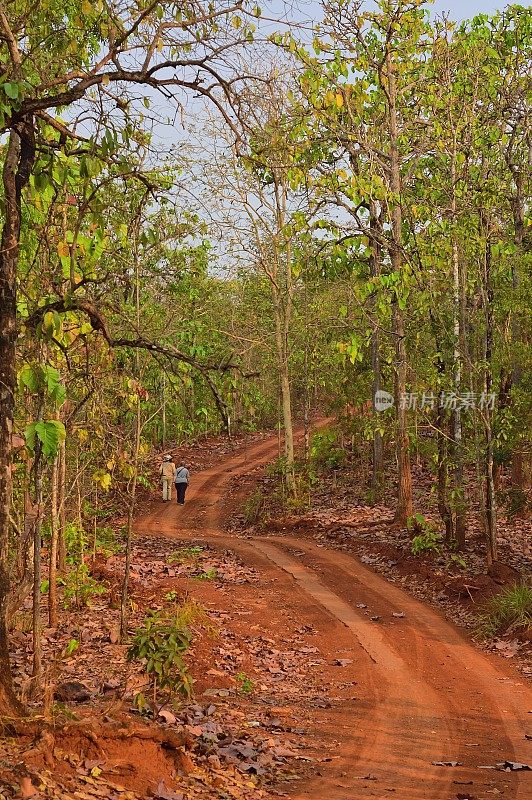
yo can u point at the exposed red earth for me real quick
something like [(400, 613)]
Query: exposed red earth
[(413, 710)]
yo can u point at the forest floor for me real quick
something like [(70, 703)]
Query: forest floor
[(315, 676)]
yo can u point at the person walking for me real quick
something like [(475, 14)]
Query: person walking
[(182, 477), (167, 473)]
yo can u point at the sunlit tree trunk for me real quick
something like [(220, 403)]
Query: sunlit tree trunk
[(62, 554), (377, 474), (19, 157), (54, 537), (404, 508), (490, 504), (459, 532)]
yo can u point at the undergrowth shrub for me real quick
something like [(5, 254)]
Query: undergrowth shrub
[(427, 540), (255, 508), (509, 611), (185, 554), (107, 541), (161, 643), (325, 451), (80, 587)]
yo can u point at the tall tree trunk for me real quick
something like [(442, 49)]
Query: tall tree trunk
[(444, 508), (124, 611), (404, 508), (20, 153), (286, 398), (490, 514), (306, 406), (377, 472), (124, 600), (62, 509), (282, 292), (518, 211), (54, 525), (163, 411), (459, 522), (458, 468), (37, 572)]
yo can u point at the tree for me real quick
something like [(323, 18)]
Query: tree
[(367, 90), (153, 46), (264, 199)]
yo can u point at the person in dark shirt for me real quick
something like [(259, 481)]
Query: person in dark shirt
[(181, 480)]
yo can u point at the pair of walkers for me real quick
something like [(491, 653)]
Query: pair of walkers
[(179, 476)]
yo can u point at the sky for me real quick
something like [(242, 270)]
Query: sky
[(304, 12), (459, 9), (463, 9)]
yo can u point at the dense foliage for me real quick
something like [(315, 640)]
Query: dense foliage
[(358, 226)]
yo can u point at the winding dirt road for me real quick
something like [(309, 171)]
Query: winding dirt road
[(424, 692)]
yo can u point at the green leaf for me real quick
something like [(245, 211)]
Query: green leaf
[(52, 380), (28, 377), (50, 434), (12, 90)]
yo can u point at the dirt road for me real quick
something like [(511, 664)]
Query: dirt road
[(424, 693)]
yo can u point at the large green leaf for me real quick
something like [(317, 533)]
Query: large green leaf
[(50, 433)]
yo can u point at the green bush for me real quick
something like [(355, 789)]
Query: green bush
[(76, 541), (161, 643), (428, 540), (80, 587), (324, 450), (277, 468), (507, 612), (185, 554), (108, 542)]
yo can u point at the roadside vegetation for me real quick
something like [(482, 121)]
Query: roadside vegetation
[(339, 229)]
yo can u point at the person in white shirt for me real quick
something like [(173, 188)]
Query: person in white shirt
[(167, 473)]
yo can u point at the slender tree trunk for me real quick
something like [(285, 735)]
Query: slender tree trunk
[(489, 491), (37, 563), (54, 525), (163, 411), (124, 615), (377, 474), (518, 210), (19, 157), (458, 468), (124, 600), (404, 508), (456, 418), (306, 406), (286, 401), (62, 509), (444, 508)]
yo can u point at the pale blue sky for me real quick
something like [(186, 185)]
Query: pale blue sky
[(463, 9), (458, 9)]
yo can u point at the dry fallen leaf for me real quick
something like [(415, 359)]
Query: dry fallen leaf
[(27, 789)]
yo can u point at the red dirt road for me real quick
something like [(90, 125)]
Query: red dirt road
[(424, 692)]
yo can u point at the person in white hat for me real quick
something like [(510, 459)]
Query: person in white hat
[(167, 473)]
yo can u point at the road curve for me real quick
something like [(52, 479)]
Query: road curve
[(434, 696)]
